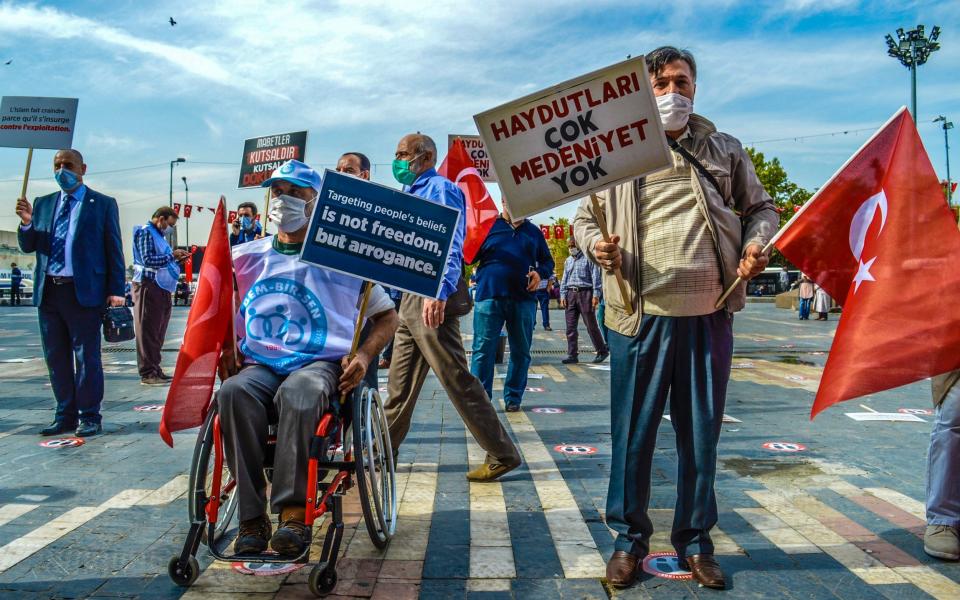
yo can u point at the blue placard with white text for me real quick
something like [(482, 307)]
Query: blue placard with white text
[(381, 234)]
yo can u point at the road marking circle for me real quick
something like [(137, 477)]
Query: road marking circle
[(149, 408), (259, 569), (71, 442), (665, 565), (548, 410), (915, 411), (575, 449), (784, 446)]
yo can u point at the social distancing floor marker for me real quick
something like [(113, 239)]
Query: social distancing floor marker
[(784, 446), (575, 449), (665, 565), (261, 569), (149, 408), (548, 410), (71, 442), (915, 411)]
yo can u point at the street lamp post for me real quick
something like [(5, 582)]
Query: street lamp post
[(947, 125), (913, 49), (172, 163), (186, 200)]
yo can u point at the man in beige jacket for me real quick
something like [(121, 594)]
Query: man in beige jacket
[(680, 236)]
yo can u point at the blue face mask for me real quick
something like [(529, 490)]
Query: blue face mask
[(67, 180), (246, 222)]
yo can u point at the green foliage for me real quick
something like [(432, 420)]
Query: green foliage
[(787, 196)]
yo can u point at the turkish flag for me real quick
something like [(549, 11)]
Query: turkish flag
[(187, 210), (176, 208), (545, 229), (879, 238), (209, 329), (559, 232), (231, 216), (481, 211), (188, 269)]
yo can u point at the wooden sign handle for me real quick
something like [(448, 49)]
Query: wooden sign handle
[(602, 222), (367, 288), (26, 174)]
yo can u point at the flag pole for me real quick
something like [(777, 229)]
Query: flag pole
[(367, 288), (776, 237), (602, 222), (26, 174)]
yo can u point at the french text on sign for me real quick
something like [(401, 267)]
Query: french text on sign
[(576, 138), (377, 233), (33, 122)]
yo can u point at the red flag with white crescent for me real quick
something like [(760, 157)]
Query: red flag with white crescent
[(209, 329), (880, 239), (481, 211)]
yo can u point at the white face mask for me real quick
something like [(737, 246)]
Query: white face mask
[(675, 111), (289, 213)]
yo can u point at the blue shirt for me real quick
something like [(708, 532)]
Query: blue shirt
[(78, 195), (437, 188), (506, 256), (581, 273), (246, 235), (147, 252)]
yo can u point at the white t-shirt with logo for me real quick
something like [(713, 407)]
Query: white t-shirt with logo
[(292, 313)]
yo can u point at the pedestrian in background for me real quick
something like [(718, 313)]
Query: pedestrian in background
[(16, 280), (821, 303), (784, 280), (79, 269), (245, 228), (544, 290), (941, 538), (156, 273), (806, 297), (579, 297), (679, 237), (513, 260), (429, 333)]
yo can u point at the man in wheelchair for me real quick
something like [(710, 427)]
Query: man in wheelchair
[(295, 325)]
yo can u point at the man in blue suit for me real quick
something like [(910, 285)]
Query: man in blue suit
[(79, 270)]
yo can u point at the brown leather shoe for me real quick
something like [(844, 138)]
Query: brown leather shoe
[(622, 569), (706, 570)]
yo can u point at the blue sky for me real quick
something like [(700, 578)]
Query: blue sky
[(360, 74)]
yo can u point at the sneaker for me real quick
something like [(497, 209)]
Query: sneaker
[(570, 360), (489, 472), (942, 541), (155, 381), (600, 357), (291, 537), (253, 536)]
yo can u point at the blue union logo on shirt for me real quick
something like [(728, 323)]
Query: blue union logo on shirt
[(285, 324)]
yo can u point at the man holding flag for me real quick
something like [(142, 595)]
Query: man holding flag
[(685, 232)]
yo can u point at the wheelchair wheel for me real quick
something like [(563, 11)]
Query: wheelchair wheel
[(375, 470), (201, 483)]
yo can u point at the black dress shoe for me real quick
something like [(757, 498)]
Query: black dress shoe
[(570, 360), (600, 357), (56, 428), (88, 429)]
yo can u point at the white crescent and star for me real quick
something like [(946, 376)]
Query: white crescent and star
[(858, 234)]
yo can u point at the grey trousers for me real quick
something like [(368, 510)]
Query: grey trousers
[(417, 349), (943, 474), (248, 402)]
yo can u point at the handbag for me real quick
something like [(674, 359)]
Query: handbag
[(118, 324), (459, 303)]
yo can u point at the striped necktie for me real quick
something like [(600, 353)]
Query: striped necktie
[(58, 249)]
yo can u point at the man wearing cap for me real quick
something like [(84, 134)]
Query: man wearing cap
[(295, 323), (429, 333)]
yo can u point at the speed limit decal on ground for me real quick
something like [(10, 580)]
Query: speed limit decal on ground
[(575, 449), (548, 410), (72, 442), (915, 411), (784, 446), (259, 569), (149, 408), (665, 565)]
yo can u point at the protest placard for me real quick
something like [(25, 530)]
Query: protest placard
[(30, 122), (575, 138), (478, 154), (261, 155), (380, 234)]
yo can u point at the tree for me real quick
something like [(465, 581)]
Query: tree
[(787, 196)]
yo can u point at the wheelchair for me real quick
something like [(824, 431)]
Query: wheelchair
[(351, 445)]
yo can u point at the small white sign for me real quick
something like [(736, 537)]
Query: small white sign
[(32, 122), (879, 416)]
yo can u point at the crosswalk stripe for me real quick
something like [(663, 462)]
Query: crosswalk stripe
[(42, 536), (553, 372), (9, 512), (491, 549), (776, 531), (575, 547), (126, 498), (415, 513), (166, 493), (906, 503), (15, 431)]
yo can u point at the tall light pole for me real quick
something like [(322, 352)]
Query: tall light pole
[(947, 125), (186, 201), (173, 235), (912, 50)]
